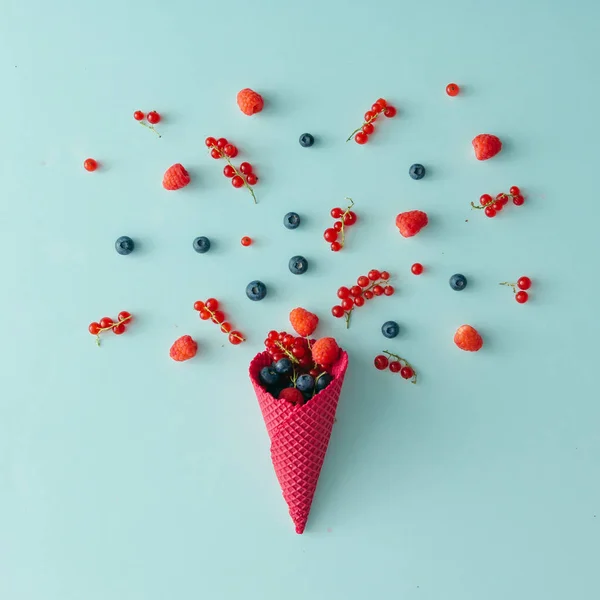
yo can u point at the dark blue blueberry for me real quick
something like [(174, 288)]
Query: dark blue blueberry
[(306, 140), (305, 383), (283, 366), (458, 282), (323, 381), (298, 265), (124, 245), (390, 329), (269, 376), (307, 396), (417, 171), (256, 290), (291, 220), (201, 244)]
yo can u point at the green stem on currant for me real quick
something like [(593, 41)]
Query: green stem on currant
[(512, 285), (223, 155), (343, 229), (406, 364), (287, 353), (151, 127), (103, 329), (492, 201), (374, 118)]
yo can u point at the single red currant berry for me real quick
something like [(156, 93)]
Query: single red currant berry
[(124, 316), (89, 164), (337, 226), (306, 362), (395, 366), (377, 290), (298, 351), (485, 199), (205, 314), (198, 305), (363, 281), (452, 89), (382, 102), (524, 283), (246, 241), (369, 115), (330, 235), (368, 128), (153, 117), (336, 213), (417, 269), (490, 211), (389, 290), (235, 338), (210, 142), (384, 275), (514, 191), (251, 179), (359, 301), (374, 275), (347, 303), (336, 246), (119, 329), (273, 335), (106, 322), (278, 356), (381, 362), (218, 317), (343, 292), (230, 150), (498, 206), (237, 182), (355, 291), (216, 154), (390, 112), (314, 373), (246, 168), (376, 107), (94, 328), (518, 200), (521, 297), (337, 312), (406, 372), (500, 198), (226, 328), (212, 304), (350, 218), (361, 138), (221, 143), (368, 295), (138, 115), (288, 340), (229, 171)]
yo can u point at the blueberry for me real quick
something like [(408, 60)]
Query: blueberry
[(305, 383), (298, 265), (201, 244), (124, 245), (458, 282), (323, 381), (306, 140), (269, 376), (256, 290), (283, 366), (291, 220), (390, 329), (417, 171)]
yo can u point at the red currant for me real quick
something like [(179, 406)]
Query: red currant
[(273, 335), (337, 226), (521, 297), (518, 200), (226, 328), (336, 246), (205, 314), (305, 362), (277, 356), (377, 290), (246, 241), (524, 283), (368, 295), (237, 181), (381, 362), (215, 153), (384, 275), (124, 316), (485, 199), (514, 191), (417, 269), (369, 115), (389, 290), (361, 138), (314, 373), (119, 329), (359, 301), (288, 340), (382, 102), (251, 179), (89, 164), (336, 213), (210, 142), (235, 338), (374, 275), (230, 150), (452, 89), (376, 107), (106, 322), (363, 281), (212, 304), (246, 168), (94, 328), (337, 312), (498, 206), (347, 303), (138, 115), (330, 235), (490, 211), (355, 291), (298, 351), (368, 128), (406, 372), (218, 317), (343, 292), (395, 366), (221, 143), (390, 112), (153, 117), (350, 218), (198, 305), (229, 171)]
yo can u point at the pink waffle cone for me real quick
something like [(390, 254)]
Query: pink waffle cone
[(299, 436)]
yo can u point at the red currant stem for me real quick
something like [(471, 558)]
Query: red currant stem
[(151, 127), (287, 353), (212, 314), (103, 329), (365, 123), (492, 201), (348, 315), (343, 229), (406, 364), (223, 155), (512, 285)]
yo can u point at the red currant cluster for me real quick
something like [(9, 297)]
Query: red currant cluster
[(361, 135), (221, 148), (346, 218), (492, 206), (375, 283), (210, 310), (285, 345), (152, 117), (523, 283), (107, 324), (397, 365)]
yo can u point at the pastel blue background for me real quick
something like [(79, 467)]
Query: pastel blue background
[(126, 476)]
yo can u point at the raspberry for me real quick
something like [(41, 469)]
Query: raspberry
[(176, 177), (303, 322), (292, 395), (486, 146), (183, 349), (411, 222), (325, 351), (250, 102), (468, 338)]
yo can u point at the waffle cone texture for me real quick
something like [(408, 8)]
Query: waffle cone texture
[(299, 436)]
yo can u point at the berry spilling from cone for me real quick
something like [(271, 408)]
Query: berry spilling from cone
[(492, 206), (107, 324), (379, 107), (210, 310), (336, 235)]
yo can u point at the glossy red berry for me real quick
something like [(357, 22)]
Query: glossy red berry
[(106, 322), (343, 292), (485, 199), (406, 372), (251, 179), (374, 275), (376, 107), (226, 328), (514, 191), (230, 150), (235, 338), (288, 340), (521, 297), (246, 168), (221, 143), (228, 171), (350, 218), (347, 303), (330, 235), (389, 290), (273, 335), (336, 212), (369, 115), (198, 305), (337, 226), (212, 304), (205, 314), (395, 366), (417, 269), (524, 283), (337, 312), (381, 362), (361, 138), (490, 211), (138, 115), (377, 290), (153, 117), (216, 154), (237, 181), (368, 295), (118, 329), (359, 301), (89, 164), (518, 200), (382, 102), (124, 316), (246, 241), (368, 128), (355, 291), (384, 275), (452, 89), (94, 328), (218, 317), (363, 281), (498, 206), (390, 112), (210, 142)]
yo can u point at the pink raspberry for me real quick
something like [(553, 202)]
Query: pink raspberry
[(303, 321), (175, 177), (325, 351), (183, 349), (411, 222), (249, 101)]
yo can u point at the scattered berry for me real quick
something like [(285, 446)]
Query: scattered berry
[(153, 117), (107, 324), (303, 321), (407, 373), (361, 138), (325, 351), (458, 282), (175, 177), (201, 244), (230, 150), (251, 179), (347, 218), (306, 140), (518, 200), (417, 269), (228, 171), (361, 134), (492, 206), (124, 245), (89, 164), (521, 297), (209, 311), (411, 222), (235, 338), (467, 338), (183, 349), (452, 89), (523, 283), (291, 220), (486, 146), (417, 171), (237, 181), (381, 362), (256, 290), (298, 265), (249, 101), (390, 329), (490, 212), (138, 115), (246, 241)]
